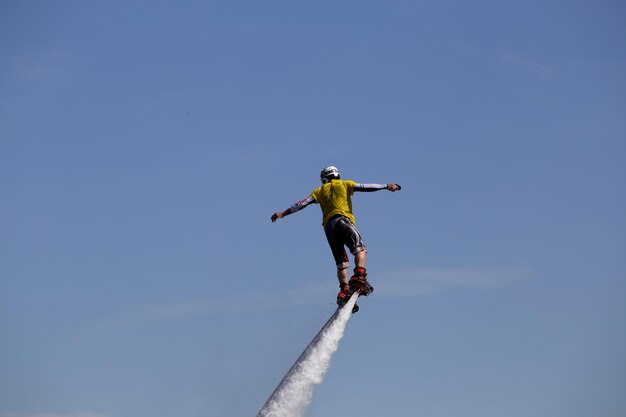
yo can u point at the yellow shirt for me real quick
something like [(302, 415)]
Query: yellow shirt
[(335, 197)]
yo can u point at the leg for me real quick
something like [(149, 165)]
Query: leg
[(360, 258), (336, 235), (342, 275), (339, 253), (351, 237), (358, 281), (342, 262), (344, 287)]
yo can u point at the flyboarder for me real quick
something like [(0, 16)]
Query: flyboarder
[(335, 199)]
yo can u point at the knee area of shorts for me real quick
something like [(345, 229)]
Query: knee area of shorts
[(342, 266), (359, 249)]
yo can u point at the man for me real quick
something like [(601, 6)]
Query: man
[(335, 200)]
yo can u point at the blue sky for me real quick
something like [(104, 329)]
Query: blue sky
[(145, 144)]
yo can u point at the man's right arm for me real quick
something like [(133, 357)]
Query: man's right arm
[(376, 187)]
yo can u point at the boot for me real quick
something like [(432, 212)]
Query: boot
[(344, 295), (359, 282)]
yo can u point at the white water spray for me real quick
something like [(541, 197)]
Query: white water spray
[(294, 393)]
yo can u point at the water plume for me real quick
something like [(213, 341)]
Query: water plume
[(293, 394)]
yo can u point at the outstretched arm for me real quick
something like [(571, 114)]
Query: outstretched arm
[(297, 206), (376, 187)]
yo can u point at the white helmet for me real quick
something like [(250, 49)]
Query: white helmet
[(329, 173)]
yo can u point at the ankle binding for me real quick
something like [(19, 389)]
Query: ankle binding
[(360, 271)]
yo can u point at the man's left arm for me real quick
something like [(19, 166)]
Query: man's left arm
[(297, 206)]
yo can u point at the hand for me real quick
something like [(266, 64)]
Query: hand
[(277, 215), (393, 187)]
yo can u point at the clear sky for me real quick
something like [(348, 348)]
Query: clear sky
[(144, 146)]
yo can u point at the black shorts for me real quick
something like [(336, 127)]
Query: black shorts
[(341, 232)]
